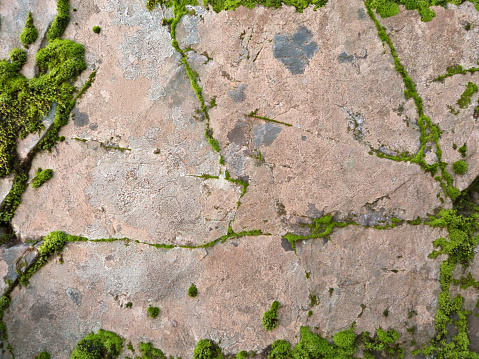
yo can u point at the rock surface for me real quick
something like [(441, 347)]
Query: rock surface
[(302, 99)]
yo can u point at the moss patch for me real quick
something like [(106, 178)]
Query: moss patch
[(192, 291), (270, 317), (153, 312), (459, 167), (41, 176), (29, 33), (102, 345)]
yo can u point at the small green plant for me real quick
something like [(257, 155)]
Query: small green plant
[(241, 355), (459, 167), (270, 317), (465, 98), (148, 351), (41, 176), (29, 33), (101, 345), (153, 312), (463, 150), (129, 305), (192, 291), (206, 349), (43, 355), (96, 29), (61, 21)]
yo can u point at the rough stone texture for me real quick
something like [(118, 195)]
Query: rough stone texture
[(135, 149), (89, 291), (147, 192)]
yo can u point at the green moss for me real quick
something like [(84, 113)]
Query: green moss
[(129, 305), (13, 199), (313, 300), (102, 345), (384, 341), (54, 242), (192, 291), (463, 150), (41, 176), (253, 115), (242, 355), (43, 355), (153, 312), (270, 317), (465, 98), (206, 349), (459, 167), (29, 33), (148, 351), (61, 21), (281, 349), (300, 5), (96, 29), (320, 228)]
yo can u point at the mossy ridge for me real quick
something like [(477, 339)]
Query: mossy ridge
[(455, 70), (430, 132), (388, 8), (320, 228), (459, 248), (253, 114), (465, 98)]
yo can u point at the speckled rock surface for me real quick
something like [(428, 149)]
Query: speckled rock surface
[(298, 103)]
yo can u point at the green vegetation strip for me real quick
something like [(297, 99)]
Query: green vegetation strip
[(388, 8)]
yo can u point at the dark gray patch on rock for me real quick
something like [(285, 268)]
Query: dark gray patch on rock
[(238, 134), (265, 134), (361, 14), (313, 212), (40, 311), (93, 126), (303, 138), (473, 325), (80, 119), (238, 95), (294, 51), (74, 295), (286, 245), (345, 56)]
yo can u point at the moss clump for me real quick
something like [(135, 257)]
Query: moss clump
[(387, 8), (41, 176), (96, 29), (384, 341), (43, 355), (23, 102), (61, 21), (465, 98), (153, 312), (148, 351), (13, 199), (459, 167), (270, 317), (103, 345), (29, 33), (463, 150), (320, 228), (192, 291), (206, 349), (54, 242)]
